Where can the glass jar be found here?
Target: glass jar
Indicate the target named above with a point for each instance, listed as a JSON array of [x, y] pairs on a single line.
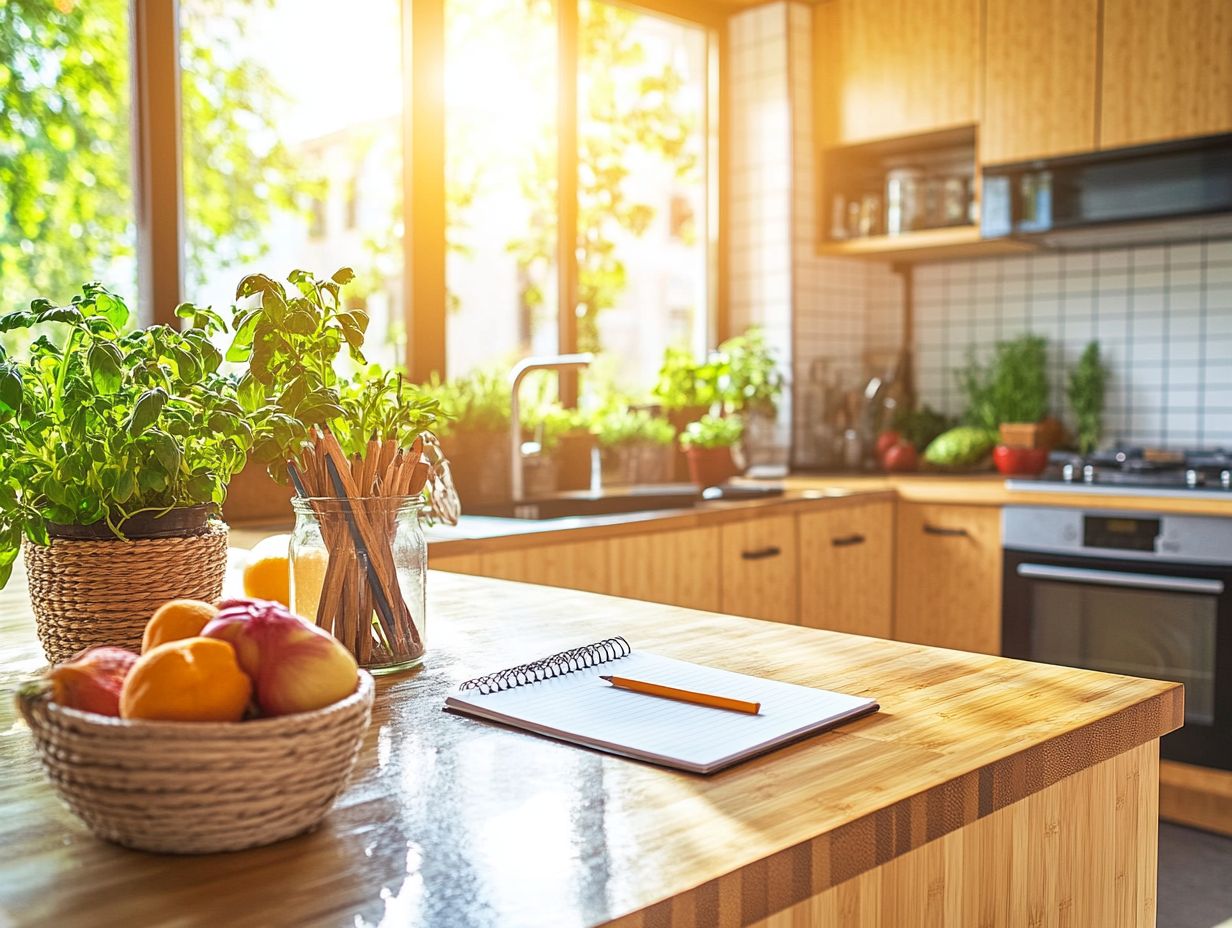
[[357, 570]]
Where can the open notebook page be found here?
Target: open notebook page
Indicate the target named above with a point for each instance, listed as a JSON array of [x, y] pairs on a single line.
[[581, 708]]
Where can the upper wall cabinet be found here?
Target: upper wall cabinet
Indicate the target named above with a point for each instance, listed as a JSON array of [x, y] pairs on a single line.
[[1167, 70], [1040, 78], [888, 68]]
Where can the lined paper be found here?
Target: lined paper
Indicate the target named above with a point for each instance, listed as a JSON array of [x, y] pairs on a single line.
[[580, 708]]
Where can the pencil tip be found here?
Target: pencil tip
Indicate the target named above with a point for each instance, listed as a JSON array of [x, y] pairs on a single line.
[[604, 677]]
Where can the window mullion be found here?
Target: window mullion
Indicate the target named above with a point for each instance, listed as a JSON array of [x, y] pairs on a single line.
[[566, 188]]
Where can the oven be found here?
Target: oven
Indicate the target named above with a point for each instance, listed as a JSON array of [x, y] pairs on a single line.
[[1130, 593]]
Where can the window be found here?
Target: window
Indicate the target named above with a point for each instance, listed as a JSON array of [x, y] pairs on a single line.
[[642, 243], [65, 150], [500, 181], [293, 149]]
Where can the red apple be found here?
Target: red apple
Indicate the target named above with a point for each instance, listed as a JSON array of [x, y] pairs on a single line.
[[900, 458]]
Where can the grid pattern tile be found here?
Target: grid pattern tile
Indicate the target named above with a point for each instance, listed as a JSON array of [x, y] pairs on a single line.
[[1162, 315]]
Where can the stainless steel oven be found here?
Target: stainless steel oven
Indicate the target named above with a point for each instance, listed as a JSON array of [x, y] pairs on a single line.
[[1131, 593]]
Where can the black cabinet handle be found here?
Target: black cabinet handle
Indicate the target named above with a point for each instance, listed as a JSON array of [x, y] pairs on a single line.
[[847, 541], [761, 553], [942, 530]]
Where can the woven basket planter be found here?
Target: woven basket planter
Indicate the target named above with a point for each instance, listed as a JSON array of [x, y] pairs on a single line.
[[103, 591], [199, 787]]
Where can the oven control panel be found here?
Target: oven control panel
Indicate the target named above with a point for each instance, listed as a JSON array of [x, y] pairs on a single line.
[[1132, 535]]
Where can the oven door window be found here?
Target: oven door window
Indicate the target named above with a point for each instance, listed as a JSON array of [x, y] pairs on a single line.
[[1140, 633]]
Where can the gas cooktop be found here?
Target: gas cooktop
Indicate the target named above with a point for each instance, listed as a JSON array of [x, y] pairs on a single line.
[[1152, 469]]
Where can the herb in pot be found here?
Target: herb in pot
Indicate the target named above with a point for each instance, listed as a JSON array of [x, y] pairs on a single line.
[[1012, 388], [686, 383], [1088, 382], [712, 432], [624, 426], [478, 402], [749, 377], [103, 426]]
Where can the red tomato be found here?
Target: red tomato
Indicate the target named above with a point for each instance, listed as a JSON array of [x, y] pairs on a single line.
[[885, 441], [900, 457]]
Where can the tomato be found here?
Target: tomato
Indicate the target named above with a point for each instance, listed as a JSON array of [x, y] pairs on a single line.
[[900, 457], [885, 441]]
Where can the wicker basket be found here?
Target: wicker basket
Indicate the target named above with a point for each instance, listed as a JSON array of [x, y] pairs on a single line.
[[199, 787], [88, 592]]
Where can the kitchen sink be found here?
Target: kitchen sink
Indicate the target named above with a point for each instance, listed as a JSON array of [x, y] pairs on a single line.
[[617, 500]]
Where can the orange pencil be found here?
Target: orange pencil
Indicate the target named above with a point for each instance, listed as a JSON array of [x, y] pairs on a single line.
[[670, 692]]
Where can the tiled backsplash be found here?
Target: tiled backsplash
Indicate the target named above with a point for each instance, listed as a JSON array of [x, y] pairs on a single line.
[[1162, 315]]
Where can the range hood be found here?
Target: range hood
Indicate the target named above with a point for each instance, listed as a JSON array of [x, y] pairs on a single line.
[[1174, 192]]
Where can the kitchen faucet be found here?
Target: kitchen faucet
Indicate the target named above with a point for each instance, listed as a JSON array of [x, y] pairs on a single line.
[[558, 362]]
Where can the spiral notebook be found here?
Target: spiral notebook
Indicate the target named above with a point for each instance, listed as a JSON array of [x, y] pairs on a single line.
[[562, 697]]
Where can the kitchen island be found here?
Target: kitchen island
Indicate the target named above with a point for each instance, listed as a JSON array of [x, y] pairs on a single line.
[[986, 791]]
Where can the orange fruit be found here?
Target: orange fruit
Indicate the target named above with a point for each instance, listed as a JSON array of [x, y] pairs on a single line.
[[190, 680], [180, 618], [267, 572]]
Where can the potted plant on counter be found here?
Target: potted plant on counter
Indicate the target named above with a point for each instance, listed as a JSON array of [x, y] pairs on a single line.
[[708, 444], [476, 434], [117, 450], [686, 389], [750, 384], [636, 446], [1009, 398], [1087, 383]]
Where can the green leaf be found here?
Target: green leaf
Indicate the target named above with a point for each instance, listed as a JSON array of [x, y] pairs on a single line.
[[70, 314], [10, 390], [146, 411], [201, 487], [17, 319], [111, 308], [104, 361], [165, 449], [343, 276], [124, 487], [249, 393]]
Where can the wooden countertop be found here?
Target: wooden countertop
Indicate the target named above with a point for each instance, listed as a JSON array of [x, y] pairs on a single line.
[[450, 821]]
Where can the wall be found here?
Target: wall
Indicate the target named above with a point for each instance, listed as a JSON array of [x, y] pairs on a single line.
[[1162, 315]]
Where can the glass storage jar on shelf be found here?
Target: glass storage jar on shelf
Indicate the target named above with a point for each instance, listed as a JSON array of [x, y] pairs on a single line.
[[357, 569]]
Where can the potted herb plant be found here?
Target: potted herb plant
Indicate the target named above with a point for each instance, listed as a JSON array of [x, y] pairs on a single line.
[[359, 453], [476, 435], [1087, 383], [708, 446], [750, 384], [636, 446], [565, 446], [686, 389], [1009, 398], [117, 450]]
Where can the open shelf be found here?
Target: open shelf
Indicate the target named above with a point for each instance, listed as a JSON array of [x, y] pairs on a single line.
[[924, 245]]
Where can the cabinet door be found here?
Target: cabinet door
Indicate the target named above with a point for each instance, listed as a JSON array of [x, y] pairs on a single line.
[[947, 589], [1167, 70], [759, 569], [680, 568], [847, 569], [1039, 79], [886, 68], [579, 565], [455, 563]]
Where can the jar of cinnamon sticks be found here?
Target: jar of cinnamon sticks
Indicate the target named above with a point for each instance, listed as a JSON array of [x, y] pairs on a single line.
[[358, 567]]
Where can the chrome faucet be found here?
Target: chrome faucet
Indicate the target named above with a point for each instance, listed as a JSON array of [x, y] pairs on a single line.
[[557, 362]]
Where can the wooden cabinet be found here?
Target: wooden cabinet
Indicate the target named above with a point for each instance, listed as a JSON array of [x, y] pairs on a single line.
[[1040, 79], [948, 576], [847, 569], [680, 568], [886, 68], [456, 563], [580, 565], [758, 569], [1167, 70]]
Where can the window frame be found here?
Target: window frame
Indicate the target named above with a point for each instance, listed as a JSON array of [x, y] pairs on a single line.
[[158, 186]]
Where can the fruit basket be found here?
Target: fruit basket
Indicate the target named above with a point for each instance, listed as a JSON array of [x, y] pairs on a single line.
[[199, 787]]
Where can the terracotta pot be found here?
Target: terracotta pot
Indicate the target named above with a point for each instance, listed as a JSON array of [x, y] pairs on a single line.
[[254, 496], [573, 461], [680, 418], [710, 467], [479, 461]]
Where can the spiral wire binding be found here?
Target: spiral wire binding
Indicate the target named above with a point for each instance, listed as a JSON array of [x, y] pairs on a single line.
[[557, 665]]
